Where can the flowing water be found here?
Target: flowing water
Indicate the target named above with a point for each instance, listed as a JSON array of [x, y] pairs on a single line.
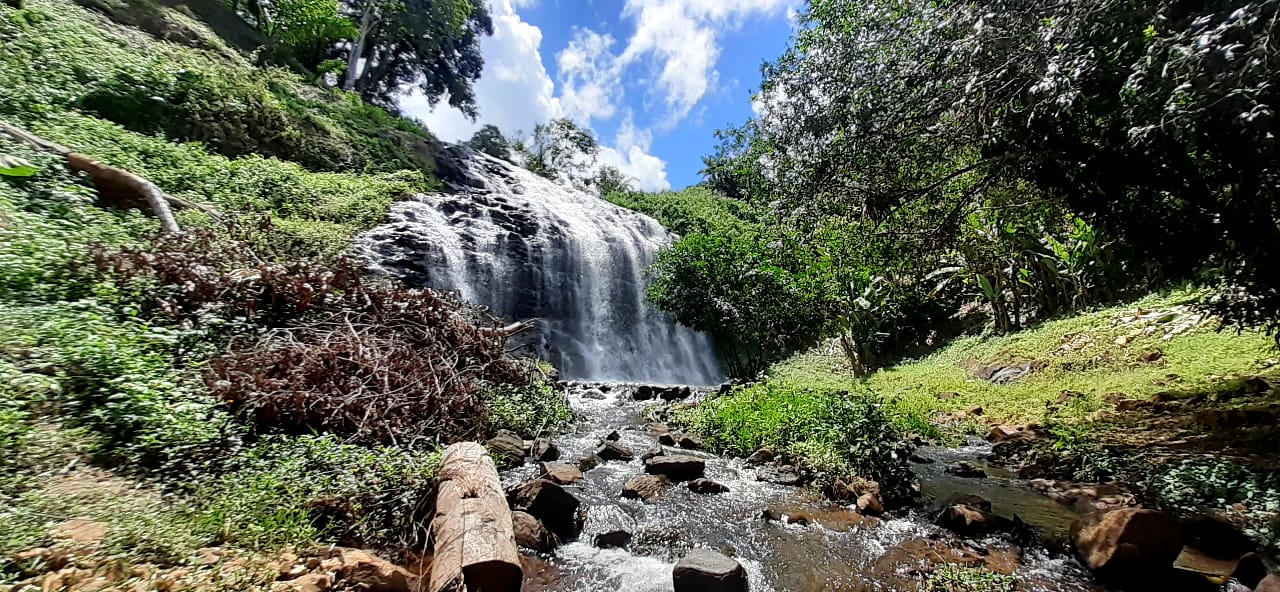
[[839, 551], [528, 249]]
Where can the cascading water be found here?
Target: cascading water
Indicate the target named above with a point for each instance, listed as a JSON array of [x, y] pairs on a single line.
[[529, 248]]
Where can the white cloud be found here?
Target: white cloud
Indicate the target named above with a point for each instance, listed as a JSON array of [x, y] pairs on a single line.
[[630, 154], [680, 38], [514, 92], [672, 53], [590, 77]]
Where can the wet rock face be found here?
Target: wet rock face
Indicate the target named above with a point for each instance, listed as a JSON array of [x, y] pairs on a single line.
[[783, 475], [703, 570], [646, 487], [531, 534], [1123, 544], [677, 467], [549, 503], [528, 248]]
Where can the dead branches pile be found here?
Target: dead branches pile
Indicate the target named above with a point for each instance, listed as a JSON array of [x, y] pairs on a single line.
[[322, 349]]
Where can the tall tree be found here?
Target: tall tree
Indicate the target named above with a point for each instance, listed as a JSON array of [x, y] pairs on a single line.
[[433, 45], [489, 140]]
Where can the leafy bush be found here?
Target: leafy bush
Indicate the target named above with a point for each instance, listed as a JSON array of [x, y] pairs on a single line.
[[837, 435], [116, 378], [693, 210], [538, 409], [295, 490]]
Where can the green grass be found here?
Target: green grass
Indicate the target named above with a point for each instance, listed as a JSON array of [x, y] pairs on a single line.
[[953, 577], [1080, 353]]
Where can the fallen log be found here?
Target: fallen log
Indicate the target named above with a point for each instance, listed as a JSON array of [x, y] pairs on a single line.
[[115, 187], [475, 544]]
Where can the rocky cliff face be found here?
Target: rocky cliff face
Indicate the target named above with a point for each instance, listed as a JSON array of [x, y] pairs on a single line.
[[528, 248]]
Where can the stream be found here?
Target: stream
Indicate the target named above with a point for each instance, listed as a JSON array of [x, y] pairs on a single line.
[[839, 550]]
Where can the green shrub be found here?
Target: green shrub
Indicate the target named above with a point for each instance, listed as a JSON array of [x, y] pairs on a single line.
[[693, 210], [836, 434], [116, 378], [953, 577], [538, 409], [296, 490]]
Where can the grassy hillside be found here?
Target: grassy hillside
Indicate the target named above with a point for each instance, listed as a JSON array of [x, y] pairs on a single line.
[[113, 340]]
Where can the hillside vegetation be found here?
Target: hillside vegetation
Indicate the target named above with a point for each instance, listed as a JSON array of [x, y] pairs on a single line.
[[213, 388]]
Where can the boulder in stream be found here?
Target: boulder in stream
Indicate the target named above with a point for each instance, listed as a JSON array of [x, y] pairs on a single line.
[[549, 503], [531, 534], [781, 475], [646, 487], [760, 457], [677, 467], [1127, 543], [653, 451], [561, 473], [971, 516], [870, 504], [543, 450], [588, 462], [613, 451], [689, 442], [703, 570], [1271, 583], [966, 469], [612, 540], [667, 439], [507, 448], [613, 436], [706, 486]]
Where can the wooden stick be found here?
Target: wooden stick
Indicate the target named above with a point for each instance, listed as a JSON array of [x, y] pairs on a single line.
[[474, 537]]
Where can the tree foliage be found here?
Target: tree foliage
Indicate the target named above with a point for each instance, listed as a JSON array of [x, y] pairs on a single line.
[[431, 45], [489, 140], [1033, 157]]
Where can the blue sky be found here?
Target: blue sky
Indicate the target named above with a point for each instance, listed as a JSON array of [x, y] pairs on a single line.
[[652, 78]]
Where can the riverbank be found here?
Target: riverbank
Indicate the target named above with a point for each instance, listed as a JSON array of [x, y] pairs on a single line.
[[1147, 402]]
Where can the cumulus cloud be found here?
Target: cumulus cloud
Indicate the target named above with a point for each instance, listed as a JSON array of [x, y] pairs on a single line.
[[630, 154], [672, 52], [590, 77], [680, 41]]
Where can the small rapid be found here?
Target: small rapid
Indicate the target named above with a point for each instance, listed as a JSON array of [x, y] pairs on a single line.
[[833, 548]]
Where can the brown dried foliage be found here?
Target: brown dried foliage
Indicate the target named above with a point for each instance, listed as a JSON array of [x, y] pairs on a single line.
[[320, 347]]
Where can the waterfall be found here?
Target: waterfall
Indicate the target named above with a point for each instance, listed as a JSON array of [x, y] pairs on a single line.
[[529, 248]]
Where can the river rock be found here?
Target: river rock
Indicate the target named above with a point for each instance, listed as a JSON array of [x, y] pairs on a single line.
[[968, 520], [759, 457], [653, 451], [549, 503], [781, 475], [543, 450], [1271, 583], [920, 459], [658, 428], [703, 570], [370, 572], [675, 393], [613, 436], [562, 473], [594, 394], [588, 462], [646, 487], [1008, 432], [706, 486], [966, 469], [677, 467], [667, 439], [689, 442], [1250, 570], [507, 448], [612, 540], [870, 504], [531, 534], [1124, 544], [613, 451]]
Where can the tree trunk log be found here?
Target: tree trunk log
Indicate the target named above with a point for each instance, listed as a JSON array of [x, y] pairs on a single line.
[[125, 189], [475, 544]]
